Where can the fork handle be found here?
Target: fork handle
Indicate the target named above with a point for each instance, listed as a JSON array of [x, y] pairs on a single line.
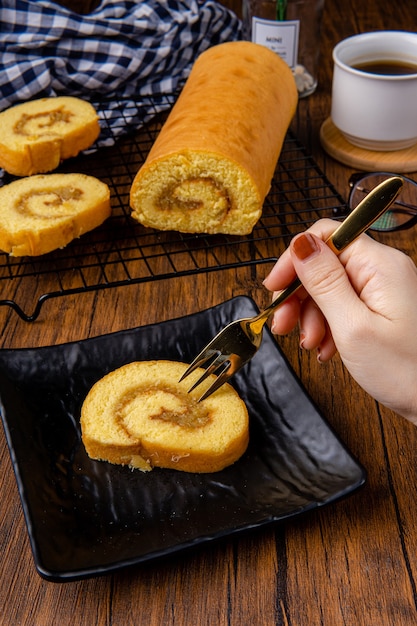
[[357, 222]]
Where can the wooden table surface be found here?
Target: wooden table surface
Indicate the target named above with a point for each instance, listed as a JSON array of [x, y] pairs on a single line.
[[351, 563]]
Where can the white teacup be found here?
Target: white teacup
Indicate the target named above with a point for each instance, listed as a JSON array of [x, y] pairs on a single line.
[[376, 111]]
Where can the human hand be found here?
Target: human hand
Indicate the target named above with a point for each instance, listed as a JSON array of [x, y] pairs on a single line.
[[362, 304]]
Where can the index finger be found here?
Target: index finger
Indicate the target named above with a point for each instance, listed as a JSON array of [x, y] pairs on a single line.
[[283, 273]]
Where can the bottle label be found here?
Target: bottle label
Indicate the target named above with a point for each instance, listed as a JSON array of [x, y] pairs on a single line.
[[280, 37]]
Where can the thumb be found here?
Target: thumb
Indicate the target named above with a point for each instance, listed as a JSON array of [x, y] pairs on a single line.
[[325, 279]]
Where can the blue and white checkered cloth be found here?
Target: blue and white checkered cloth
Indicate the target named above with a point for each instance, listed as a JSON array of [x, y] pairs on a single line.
[[123, 50]]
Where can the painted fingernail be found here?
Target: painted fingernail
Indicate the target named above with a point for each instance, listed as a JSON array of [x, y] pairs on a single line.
[[305, 246]]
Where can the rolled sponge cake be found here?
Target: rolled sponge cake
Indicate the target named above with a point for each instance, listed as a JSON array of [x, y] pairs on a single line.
[[41, 213], [37, 135], [140, 415], [212, 163]]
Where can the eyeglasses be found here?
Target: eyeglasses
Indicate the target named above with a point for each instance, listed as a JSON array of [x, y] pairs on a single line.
[[401, 214]]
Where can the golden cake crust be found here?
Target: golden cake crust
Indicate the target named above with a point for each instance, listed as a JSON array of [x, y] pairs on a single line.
[[37, 135], [140, 415], [212, 163]]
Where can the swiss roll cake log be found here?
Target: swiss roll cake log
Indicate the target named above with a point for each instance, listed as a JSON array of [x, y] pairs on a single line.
[[37, 135], [212, 163]]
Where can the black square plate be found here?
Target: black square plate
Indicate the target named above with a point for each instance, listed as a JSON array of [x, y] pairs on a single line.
[[87, 517]]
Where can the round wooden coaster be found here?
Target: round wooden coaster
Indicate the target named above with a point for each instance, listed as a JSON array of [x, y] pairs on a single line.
[[398, 161]]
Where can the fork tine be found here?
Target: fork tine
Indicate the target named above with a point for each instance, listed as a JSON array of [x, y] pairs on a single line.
[[206, 353], [204, 356], [217, 363], [199, 360], [220, 380]]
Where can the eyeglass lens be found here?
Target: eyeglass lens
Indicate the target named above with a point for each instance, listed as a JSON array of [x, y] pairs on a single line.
[[401, 212]]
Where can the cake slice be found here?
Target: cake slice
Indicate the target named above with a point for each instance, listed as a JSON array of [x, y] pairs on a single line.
[[140, 415], [44, 212], [37, 135]]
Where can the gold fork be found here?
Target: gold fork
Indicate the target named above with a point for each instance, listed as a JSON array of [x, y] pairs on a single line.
[[237, 343]]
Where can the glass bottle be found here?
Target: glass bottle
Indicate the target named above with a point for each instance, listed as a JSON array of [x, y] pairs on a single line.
[[291, 28]]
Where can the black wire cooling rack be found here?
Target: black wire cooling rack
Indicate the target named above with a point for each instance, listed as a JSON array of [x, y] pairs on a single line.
[[122, 252]]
